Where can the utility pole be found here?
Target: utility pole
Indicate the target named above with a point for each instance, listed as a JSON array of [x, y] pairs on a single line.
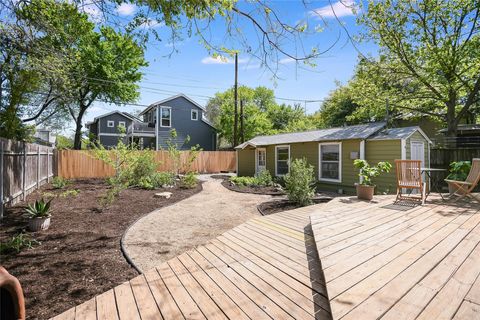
[[235, 125], [387, 112], [242, 123]]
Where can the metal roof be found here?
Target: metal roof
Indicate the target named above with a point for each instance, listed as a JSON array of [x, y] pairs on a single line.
[[398, 133], [362, 131]]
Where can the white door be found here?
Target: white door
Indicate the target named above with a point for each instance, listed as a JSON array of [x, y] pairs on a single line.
[[261, 159], [417, 151]]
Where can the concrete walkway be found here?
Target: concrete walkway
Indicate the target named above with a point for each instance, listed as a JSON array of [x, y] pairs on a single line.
[[170, 231]]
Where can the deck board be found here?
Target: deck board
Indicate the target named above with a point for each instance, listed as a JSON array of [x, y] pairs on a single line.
[[343, 260]]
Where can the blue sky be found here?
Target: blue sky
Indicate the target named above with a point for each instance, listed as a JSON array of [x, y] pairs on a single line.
[[193, 72]]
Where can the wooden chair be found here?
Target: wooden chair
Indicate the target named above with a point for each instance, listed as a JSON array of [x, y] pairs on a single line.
[[464, 188], [409, 176]]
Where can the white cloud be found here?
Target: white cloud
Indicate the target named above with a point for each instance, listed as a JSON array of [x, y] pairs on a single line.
[[92, 11], [151, 23], [221, 60], [126, 9], [342, 8], [286, 60]]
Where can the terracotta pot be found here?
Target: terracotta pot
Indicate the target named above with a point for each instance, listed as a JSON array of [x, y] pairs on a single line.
[[452, 189], [365, 192], [12, 299], [37, 224]]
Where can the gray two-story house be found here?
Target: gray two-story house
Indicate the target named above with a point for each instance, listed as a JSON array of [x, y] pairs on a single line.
[[153, 129], [108, 128]]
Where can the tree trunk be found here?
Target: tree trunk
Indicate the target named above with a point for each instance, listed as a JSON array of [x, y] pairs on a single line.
[[451, 118], [77, 142]]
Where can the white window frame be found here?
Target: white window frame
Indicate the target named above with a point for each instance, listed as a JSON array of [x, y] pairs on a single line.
[[276, 158], [339, 144], [194, 111], [161, 118], [256, 159], [110, 123], [122, 124]]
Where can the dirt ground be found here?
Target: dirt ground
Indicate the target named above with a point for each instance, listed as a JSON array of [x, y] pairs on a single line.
[[79, 256], [279, 205], [167, 232]]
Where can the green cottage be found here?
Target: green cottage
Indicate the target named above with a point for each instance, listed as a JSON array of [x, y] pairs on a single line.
[[332, 152]]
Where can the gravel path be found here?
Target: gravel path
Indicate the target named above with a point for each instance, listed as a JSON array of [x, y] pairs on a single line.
[[169, 231]]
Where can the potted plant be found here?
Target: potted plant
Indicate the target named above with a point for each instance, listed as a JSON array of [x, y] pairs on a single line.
[[458, 171], [366, 188], [39, 214]]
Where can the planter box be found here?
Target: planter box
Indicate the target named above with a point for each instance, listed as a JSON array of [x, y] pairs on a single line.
[[365, 192], [37, 224]]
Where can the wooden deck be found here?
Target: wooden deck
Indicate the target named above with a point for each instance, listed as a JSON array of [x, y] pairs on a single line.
[[374, 260], [380, 261]]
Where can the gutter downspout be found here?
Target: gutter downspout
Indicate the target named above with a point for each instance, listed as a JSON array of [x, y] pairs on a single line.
[[362, 155]]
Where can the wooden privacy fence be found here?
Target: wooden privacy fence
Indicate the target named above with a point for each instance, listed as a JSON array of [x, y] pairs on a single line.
[[441, 158], [80, 164], [24, 167]]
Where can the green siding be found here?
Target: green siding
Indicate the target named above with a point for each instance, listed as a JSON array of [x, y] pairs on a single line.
[[417, 136], [375, 151], [384, 150], [246, 162]]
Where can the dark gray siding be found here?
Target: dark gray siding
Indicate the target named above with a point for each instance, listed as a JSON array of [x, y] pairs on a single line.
[[93, 129], [110, 141], [200, 132], [116, 118]]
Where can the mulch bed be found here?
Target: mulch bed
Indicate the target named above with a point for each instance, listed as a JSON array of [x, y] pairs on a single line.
[[272, 191], [274, 206], [79, 256]]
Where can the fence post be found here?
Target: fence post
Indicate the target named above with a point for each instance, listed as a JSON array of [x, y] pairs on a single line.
[[1, 179], [24, 173], [38, 166], [48, 165]]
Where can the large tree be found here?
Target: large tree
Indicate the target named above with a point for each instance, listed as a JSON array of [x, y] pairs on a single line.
[[429, 60], [100, 64], [262, 114]]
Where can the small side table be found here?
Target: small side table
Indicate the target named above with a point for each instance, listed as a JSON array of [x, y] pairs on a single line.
[[434, 183]]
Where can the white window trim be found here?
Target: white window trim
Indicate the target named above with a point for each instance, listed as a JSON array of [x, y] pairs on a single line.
[[160, 117], [339, 180], [110, 123], [276, 158], [191, 114], [256, 159], [122, 123]]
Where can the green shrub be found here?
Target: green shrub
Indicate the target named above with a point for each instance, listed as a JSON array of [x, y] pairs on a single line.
[[17, 243], [59, 182], [459, 170], [368, 172], [299, 182], [264, 178], [142, 166], [40, 209], [157, 180], [243, 181], [189, 180], [73, 193]]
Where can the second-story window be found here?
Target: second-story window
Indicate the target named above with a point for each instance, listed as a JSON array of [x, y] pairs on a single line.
[[194, 114], [165, 117], [121, 124], [110, 123]]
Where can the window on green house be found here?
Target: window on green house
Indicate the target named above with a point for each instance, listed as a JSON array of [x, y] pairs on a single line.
[[330, 162], [282, 156]]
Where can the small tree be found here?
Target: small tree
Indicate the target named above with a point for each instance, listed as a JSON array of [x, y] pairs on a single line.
[[175, 154], [299, 182], [368, 172]]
